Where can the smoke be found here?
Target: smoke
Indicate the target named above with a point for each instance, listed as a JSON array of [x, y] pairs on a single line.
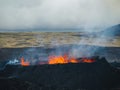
[[29, 14]]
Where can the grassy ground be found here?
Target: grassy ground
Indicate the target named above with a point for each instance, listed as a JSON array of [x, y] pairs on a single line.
[[47, 39]]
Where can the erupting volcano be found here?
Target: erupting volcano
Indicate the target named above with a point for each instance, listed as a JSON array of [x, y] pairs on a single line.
[[63, 74], [60, 59], [59, 71]]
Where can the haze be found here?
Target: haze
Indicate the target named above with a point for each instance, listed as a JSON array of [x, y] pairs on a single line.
[[30, 14]]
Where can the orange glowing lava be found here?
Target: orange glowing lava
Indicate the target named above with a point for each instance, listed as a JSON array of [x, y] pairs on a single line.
[[24, 63], [88, 60], [61, 60]]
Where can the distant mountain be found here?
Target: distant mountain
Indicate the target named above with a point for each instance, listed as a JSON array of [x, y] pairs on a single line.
[[111, 31]]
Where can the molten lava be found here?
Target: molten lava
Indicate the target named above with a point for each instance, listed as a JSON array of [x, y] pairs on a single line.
[[61, 60], [86, 60], [66, 59], [24, 63]]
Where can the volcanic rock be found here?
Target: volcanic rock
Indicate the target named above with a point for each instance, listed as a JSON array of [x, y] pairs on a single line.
[[89, 76]]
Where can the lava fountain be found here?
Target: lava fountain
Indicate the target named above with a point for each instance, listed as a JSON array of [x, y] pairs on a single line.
[[60, 59]]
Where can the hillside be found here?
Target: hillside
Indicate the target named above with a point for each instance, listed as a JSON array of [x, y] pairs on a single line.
[[113, 31]]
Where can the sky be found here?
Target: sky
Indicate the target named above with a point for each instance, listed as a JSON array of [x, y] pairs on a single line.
[[30, 14]]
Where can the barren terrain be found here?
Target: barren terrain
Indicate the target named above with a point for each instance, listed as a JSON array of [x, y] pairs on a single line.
[[50, 39]]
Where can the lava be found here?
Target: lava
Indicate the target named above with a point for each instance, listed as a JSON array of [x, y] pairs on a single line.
[[23, 62], [86, 60], [61, 60]]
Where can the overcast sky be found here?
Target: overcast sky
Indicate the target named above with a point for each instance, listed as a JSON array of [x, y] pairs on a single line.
[[22, 14]]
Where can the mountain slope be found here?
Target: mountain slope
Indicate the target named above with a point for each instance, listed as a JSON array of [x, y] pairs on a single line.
[[111, 31]]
